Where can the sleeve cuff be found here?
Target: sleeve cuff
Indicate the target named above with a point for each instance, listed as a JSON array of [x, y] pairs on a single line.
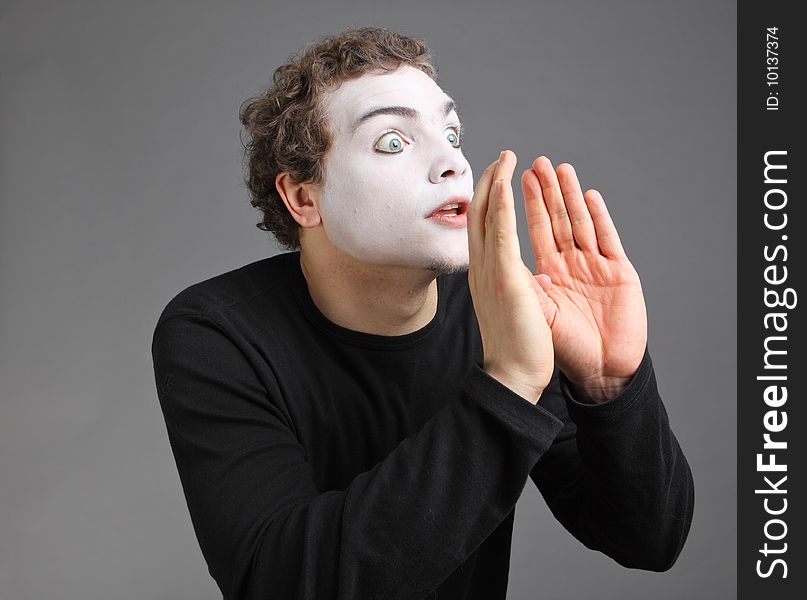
[[633, 392], [529, 422]]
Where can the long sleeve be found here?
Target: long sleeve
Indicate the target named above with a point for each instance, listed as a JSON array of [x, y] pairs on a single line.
[[396, 531], [616, 477]]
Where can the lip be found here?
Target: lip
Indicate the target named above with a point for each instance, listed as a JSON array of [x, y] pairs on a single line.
[[458, 221], [452, 220], [463, 202]]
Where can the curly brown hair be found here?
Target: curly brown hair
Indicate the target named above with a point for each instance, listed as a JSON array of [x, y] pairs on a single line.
[[286, 127]]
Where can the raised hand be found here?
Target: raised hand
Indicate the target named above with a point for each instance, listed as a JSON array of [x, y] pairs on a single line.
[[516, 339], [593, 301]]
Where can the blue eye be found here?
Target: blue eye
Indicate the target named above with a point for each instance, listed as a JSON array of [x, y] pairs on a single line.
[[391, 142], [454, 137]]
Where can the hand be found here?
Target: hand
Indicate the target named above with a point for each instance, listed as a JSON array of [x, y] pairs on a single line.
[[596, 308], [516, 339]]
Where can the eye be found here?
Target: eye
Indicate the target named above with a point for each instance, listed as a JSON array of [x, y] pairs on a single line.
[[454, 136], [390, 142]]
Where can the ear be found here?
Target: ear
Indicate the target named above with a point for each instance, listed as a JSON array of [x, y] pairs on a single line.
[[301, 199]]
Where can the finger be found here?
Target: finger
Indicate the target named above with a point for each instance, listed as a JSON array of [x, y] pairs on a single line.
[[579, 217], [607, 236], [553, 198], [501, 233], [545, 281], [542, 283], [539, 225], [476, 216]]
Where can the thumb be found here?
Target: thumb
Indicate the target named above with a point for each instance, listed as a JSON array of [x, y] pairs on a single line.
[[542, 283]]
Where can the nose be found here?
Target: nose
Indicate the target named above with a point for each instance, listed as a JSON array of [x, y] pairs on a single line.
[[448, 164]]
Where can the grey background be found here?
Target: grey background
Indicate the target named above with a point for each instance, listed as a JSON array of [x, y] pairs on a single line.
[[120, 182]]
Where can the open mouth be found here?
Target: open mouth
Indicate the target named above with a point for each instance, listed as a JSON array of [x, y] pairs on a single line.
[[451, 214], [452, 208]]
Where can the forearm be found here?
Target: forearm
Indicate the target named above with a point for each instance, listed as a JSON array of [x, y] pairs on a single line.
[[622, 484], [401, 528]]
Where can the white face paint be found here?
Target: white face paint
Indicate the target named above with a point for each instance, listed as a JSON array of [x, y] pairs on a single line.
[[385, 175]]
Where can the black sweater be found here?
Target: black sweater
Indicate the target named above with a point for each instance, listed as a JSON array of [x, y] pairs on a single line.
[[319, 462]]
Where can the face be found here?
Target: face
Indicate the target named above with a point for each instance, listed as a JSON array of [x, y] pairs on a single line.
[[395, 159]]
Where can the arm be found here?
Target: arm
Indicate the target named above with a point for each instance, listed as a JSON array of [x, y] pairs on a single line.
[[616, 477], [397, 531]]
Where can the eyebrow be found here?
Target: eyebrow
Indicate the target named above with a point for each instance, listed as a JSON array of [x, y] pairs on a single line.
[[401, 111]]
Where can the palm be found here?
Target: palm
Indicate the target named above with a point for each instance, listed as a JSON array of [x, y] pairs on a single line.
[[596, 307]]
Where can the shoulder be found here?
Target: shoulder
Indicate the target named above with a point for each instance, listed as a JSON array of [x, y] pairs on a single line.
[[229, 289]]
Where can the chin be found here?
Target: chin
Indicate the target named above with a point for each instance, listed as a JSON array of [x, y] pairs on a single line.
[[447, 263], [441, 267], [436, 256]]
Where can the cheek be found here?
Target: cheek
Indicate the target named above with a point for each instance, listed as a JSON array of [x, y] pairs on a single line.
[[370, 192], [353, 192]]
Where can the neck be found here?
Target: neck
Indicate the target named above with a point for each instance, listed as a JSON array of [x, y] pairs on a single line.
[[376, 299]]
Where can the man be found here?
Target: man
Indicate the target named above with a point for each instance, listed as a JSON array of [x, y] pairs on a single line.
[[357, 419]]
